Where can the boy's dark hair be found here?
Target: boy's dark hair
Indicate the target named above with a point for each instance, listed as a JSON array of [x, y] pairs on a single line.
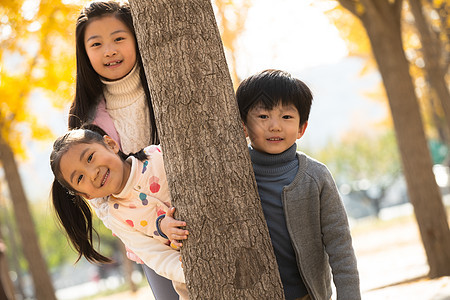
[[89, 88], [271, 87], [72, 210]]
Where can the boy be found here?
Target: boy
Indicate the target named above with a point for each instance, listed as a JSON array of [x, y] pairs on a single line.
[[306, 218]]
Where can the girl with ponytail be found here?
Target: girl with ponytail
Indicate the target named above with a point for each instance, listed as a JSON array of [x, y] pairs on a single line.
[[128, 193]]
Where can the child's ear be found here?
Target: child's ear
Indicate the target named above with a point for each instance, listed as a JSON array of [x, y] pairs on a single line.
[[111, 143], [82, 196], [245, 129], [301, 130], [87, 197]]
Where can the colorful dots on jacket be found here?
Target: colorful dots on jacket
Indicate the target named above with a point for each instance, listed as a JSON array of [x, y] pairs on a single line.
[[154, 185], [143, 198], [144, 168]]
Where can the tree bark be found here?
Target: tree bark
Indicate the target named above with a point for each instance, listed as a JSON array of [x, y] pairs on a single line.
[[434, 61], [381, 19], [42, 283], [228, 254]]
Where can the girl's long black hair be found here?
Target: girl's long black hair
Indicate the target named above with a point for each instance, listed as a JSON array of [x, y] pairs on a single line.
[[73, 211], [75, 216], [89, 88]]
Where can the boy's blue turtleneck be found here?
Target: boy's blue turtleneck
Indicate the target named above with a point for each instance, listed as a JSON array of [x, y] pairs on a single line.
[[273, 172], [275, 164]]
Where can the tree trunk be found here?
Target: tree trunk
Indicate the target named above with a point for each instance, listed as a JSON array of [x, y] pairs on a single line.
[[10, 236], [442, 8], [228, 254], [381, 19], [42, 284], [7, 291], [127, 267], [434, 61]]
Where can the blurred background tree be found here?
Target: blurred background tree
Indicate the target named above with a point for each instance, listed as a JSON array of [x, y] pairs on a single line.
[[429, 56], [352, 161], [231, 16], [382, 21], [30, 63]]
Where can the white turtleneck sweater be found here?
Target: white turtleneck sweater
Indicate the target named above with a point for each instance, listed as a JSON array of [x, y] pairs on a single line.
[[128, 108]]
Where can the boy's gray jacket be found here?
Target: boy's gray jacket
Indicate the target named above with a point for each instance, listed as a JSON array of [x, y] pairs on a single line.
[[319, 230]]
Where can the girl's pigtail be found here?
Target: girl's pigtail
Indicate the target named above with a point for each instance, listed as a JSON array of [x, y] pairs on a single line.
[[139, 155], [75, 216]]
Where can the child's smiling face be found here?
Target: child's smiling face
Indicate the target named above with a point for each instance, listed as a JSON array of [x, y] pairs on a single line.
[[110, 46], [274, 130], [95, 170]]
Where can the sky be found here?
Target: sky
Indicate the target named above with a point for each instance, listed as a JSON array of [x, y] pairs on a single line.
[[293, 36]]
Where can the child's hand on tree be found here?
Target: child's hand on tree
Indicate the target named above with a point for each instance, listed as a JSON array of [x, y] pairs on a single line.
[[170, 227]]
